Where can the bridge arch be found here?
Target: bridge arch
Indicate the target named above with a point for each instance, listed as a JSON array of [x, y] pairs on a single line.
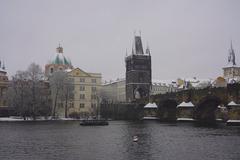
[[167, 110], [206, 109]]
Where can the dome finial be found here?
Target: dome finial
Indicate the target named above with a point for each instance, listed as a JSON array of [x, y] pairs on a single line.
[[59, 49]]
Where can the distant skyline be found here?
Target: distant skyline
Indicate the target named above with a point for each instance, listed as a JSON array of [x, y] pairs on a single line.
[[187, 38]]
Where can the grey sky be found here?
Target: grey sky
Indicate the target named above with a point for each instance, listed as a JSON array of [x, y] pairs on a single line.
[[186, 37]]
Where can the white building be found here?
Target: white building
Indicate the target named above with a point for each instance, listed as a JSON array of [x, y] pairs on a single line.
[[163, 86], [231, 72], [114, 91]]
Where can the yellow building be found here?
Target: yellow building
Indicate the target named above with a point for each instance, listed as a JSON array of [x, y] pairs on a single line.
[[86, 92]]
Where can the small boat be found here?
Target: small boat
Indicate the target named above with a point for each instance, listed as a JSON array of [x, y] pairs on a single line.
[[135, 138], [94, 122]]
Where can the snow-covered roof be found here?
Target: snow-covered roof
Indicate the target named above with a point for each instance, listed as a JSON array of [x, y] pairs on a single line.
[[232, 104], [68, 70], [151, 105], [163, 82], [230, 66], [220, 107], [113, 81], [184, 104]]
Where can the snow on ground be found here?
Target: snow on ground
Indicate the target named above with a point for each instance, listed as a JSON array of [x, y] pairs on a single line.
[[13, 119]]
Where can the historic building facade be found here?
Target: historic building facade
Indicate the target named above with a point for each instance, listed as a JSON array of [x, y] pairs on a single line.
[[114, 91], [138, 72], [58, 63], [231, 72], [83, 87], [86, 88], [4, 82]]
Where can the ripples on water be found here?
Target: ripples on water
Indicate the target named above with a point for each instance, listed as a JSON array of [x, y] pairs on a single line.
[[157, 141]]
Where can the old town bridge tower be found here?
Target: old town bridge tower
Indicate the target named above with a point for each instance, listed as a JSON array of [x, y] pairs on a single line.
[[138, 72]]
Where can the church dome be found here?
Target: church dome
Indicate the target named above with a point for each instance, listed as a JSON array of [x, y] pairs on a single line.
[[60, 59]]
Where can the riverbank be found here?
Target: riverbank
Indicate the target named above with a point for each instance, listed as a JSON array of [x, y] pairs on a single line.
[[19, 119]]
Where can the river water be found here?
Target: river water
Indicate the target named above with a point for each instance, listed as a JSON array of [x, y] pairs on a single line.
[[157, 141]]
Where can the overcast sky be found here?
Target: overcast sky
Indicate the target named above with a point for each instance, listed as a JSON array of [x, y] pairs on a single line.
[[187, 38]]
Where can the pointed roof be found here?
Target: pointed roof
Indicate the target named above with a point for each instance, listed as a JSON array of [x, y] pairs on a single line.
[[78, 72], [151, 105], [231, 56], [232, 103], [137, 46], [184, 104], [148, 50]]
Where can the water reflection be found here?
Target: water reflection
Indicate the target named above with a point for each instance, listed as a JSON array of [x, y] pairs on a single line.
[[68, 140]]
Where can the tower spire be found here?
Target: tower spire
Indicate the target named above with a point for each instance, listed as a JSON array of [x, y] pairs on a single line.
[[231, 57], [148, 50]]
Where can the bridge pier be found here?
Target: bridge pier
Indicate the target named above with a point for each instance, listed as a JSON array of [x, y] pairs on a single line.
[[233, 114], [185, 111]]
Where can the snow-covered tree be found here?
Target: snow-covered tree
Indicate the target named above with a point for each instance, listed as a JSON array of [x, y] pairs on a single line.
[[28, 93], [62, 91]]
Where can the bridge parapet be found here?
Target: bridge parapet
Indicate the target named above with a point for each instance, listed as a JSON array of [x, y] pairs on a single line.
[[206, 101]]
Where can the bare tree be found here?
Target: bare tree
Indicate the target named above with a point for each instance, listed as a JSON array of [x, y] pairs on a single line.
[[18, 94], [28, 93], [61, 89]]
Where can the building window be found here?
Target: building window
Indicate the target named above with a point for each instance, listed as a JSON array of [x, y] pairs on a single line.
[[82, 88], [94, 89], [82, 79], [93, 96], [81, 105], [93, 105], [82, 96], [71, 80], [94, 81]]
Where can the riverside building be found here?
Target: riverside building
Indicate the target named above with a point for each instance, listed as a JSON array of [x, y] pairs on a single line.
[[83, 87], [86, 88]]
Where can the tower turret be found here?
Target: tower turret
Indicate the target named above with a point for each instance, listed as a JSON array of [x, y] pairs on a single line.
[[231, 72]]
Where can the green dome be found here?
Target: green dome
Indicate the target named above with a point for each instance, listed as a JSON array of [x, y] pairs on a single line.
[[59, 58]]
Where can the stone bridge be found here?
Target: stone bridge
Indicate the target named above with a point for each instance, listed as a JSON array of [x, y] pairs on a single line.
[[206, 102]]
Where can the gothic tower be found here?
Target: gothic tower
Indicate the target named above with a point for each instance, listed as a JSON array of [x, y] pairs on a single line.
[[231, 72], [138, 72]]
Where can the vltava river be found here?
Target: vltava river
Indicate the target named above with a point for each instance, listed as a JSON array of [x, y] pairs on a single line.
[[157, 141]]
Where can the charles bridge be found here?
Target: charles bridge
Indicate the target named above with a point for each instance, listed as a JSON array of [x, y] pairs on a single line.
[[206, 102]]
